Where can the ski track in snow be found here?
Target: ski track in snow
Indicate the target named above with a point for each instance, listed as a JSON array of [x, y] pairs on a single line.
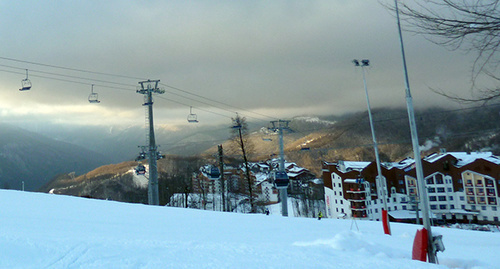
[[53, 231]]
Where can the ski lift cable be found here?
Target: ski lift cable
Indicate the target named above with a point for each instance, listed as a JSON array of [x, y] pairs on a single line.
[[215, 101], [122, 84], [70, 76], [71, 69]]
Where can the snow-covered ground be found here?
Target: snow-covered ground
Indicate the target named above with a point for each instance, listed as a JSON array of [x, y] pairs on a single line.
[[51, 231]]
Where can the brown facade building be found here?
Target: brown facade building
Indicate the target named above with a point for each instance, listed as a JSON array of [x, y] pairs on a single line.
[[461, 187]]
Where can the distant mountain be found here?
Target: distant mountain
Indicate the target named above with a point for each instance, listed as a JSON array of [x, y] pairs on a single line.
[[34, 159], [312, 140]]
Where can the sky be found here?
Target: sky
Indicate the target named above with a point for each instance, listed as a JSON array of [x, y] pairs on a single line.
[[37, 232], [265, 60]]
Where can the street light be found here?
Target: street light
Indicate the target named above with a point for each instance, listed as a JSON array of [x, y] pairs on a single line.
[[381, 185]]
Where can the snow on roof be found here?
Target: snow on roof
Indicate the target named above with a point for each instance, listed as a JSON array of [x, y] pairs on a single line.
[[261, 177], [464, 158], [463, 212], [406, 214], [356, 165], [401, 164], [296, 169], [350, 180]]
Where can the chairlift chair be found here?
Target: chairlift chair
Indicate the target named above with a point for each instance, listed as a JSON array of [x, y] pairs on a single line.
[[25, 83], [93, 97], [192, 118]]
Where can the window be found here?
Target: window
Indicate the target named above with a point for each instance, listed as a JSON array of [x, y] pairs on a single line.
[[462, 198], [430, 180], [463, 206], [485, 218], [404, 207], [374, 202], [340, 193], [442, 207], [395, 208], [335, 193], [334, 185], [376, 210], [337, 209], [341, 202], [439, 179], [431, 190], [450, 190], [483, 207], [432, 198], [335, 200], [479, 182], [494, 208], [342, 210], [442, 198], [473, 207], [400, 182], [440, 189], [450, 198], [434, 207], [495, 218], [394, 199], [403, 199], [452, 207]]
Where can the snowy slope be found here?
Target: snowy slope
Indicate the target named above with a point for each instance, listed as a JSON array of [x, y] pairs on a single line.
[[50, 231]]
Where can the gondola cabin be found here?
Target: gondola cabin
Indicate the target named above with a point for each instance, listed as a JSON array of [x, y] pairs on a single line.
[[140, 169], [214, 173], [281, 180]]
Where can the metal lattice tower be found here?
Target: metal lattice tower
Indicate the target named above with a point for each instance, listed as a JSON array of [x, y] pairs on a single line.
[[148, 88]]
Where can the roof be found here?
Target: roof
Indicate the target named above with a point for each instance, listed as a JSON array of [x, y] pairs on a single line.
[[464, 158], [406, 214], [356, 165]]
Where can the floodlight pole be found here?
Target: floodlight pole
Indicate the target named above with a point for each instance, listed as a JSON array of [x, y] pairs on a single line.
[[422, 191], [380, 180], [148, 88]]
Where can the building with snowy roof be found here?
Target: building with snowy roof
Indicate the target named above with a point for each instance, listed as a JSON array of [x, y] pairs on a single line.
[[461, 186]]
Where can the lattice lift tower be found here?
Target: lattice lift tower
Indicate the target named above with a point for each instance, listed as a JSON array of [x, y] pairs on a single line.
[[148, 88]]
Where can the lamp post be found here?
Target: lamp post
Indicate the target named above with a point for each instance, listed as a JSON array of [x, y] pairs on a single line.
[[422, 191], [380, 180]]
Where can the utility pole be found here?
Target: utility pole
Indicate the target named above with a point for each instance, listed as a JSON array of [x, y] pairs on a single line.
[[148, 88], [380, 180], [221, 168], [422, 190], [281, 181]]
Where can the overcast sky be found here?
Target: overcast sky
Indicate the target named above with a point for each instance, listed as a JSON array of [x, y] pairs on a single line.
[[263, 59]]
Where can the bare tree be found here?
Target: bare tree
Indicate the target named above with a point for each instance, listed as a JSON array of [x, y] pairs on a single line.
[[240, 133], [473, 26]]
